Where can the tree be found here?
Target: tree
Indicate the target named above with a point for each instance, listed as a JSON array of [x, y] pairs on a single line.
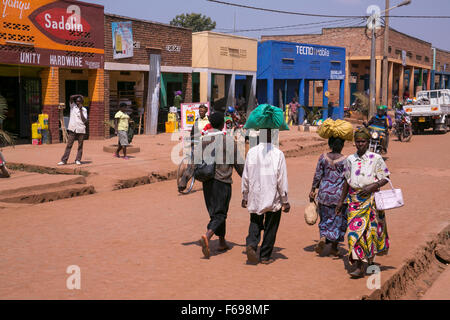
[[195, 21]]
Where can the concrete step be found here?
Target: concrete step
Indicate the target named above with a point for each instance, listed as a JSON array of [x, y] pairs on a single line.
[[23, 182], [45, 194]]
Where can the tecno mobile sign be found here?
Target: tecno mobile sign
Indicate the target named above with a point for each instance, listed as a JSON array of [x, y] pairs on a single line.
[[62, 33]]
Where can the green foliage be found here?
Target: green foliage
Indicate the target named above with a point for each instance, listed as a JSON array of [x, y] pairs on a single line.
[[312, 114], [195, 21], [362, 102]]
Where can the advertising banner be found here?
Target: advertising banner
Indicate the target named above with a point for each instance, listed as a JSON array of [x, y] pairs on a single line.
[[52, 33], [404, 58], [189, 112], [122, 33]]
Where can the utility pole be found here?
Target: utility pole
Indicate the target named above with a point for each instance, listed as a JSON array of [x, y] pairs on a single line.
[[372, 93], [372, 23], [385, 84]]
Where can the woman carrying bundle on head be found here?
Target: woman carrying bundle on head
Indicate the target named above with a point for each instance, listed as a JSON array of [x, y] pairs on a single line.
[[329, 179]]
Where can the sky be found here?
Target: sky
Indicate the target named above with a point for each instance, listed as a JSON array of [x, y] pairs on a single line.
[[230, 18]]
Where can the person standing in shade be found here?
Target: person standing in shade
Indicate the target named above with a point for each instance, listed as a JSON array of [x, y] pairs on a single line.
[[76, 129], [217, 191], [121, 123], [265, 194], [293, 111]]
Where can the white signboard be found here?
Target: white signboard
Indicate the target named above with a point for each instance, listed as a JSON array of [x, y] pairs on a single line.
[[337, 75], [189, 112]]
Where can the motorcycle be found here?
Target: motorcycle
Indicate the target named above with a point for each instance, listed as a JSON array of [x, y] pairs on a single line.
[[403, 129], [376, 137], [375, 141]]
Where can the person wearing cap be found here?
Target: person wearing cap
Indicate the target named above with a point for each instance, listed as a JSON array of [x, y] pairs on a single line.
[[381, 122], [121, 124], [365, 173], [265, 184], [217, 191]]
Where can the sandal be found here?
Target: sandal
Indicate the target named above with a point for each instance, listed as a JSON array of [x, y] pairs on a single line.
[[205, 247], [319, 247]]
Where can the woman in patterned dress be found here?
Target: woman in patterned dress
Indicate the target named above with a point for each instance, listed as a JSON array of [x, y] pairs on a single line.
[[365, 173], [329, 178]]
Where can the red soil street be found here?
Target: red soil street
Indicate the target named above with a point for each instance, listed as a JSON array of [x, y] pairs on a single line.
[[142, 243]]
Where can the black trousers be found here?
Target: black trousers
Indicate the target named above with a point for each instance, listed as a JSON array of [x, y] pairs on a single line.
[[217, 198], [268, 222]]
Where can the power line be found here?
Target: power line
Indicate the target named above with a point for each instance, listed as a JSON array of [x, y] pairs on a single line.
[[284, 12], [292, 25], [317, 15]]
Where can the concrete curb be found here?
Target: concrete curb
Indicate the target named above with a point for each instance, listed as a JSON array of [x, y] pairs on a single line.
[[46, 170], [422, 263]]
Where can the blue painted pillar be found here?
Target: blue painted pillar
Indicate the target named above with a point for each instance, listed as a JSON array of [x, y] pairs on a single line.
[[325, 100], [341, 99], [307, 93], [270, 91], [441, 80], [301, 101]]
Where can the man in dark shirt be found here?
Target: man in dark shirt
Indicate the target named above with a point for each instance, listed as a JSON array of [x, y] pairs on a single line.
[[217, 191]]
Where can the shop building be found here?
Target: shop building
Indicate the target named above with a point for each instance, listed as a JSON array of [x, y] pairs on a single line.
[[50, 50], [409, 60], [130, 45], [314, 74], [224, 66], [440, 78]]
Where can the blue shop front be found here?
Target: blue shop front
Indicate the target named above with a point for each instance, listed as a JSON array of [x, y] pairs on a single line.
[[304, 71]]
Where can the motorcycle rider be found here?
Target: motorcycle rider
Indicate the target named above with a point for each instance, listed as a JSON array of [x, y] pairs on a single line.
[[399, 113], [381, 122]]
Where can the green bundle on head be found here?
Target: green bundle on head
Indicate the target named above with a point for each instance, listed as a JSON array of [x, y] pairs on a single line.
[[266, 116]]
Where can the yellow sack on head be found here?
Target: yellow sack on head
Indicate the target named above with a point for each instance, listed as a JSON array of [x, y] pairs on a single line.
[[338, 129]]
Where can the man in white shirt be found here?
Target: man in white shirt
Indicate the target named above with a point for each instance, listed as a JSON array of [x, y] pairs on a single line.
[[76, 129], [265, 194]]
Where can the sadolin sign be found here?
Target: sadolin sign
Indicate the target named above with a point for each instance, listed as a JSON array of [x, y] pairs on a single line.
[[66, 34]]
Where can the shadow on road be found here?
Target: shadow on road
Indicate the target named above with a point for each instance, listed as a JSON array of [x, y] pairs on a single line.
[[214, 245]]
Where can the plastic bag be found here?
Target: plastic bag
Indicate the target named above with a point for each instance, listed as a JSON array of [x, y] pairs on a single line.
[[311, 214], [266, 116], [338, 129]]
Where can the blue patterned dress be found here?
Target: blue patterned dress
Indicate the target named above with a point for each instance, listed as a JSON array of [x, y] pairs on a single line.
[[329, 178]]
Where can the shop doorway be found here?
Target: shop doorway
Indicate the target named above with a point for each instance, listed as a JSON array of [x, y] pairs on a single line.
[[23, 96]]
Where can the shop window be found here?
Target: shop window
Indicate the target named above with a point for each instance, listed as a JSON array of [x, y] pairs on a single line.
[[398, 52], [418, 58], [427, 59], [409, 54], [390, 49]]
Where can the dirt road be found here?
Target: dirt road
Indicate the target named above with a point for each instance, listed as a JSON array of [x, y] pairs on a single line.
[[142, 243]]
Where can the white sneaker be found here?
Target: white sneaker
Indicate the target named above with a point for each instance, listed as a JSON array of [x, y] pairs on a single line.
[[78, 162], [61, 163]]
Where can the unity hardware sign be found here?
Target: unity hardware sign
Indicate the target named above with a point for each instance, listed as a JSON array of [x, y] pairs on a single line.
[[66, 34]]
